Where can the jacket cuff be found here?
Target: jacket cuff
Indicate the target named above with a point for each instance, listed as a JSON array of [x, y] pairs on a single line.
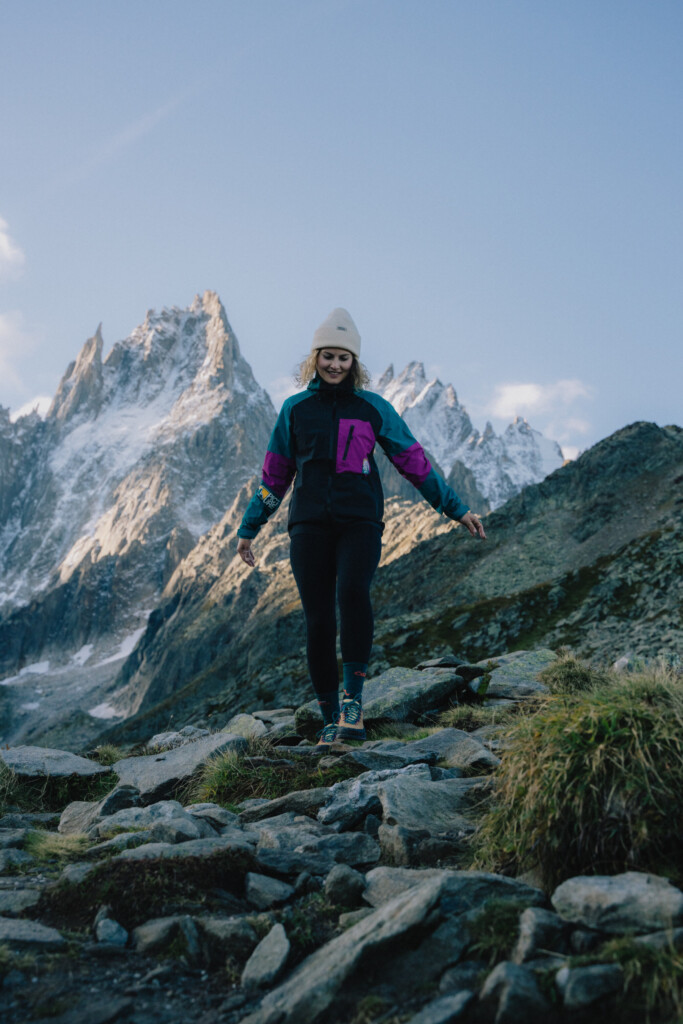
[[246, 532]]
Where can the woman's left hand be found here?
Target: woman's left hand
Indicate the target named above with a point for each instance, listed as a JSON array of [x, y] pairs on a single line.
[[473, 524]]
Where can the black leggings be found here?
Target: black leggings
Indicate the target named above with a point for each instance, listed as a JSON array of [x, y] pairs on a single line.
[[342, 558]]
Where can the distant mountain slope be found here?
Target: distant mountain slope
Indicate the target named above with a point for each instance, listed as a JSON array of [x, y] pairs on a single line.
[[591, 557], [487, 467]]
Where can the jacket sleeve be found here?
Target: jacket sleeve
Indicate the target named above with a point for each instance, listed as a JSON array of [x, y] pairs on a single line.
[[278, 472], [408, 456]]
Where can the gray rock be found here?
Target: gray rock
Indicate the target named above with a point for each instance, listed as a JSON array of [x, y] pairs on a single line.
[[181, 829], [132, 818], [444, 1010], [170, 740], [384, 884], [344, 886], [515, 994], [437, 807], [14, 901], [13, 859], [387, 755], [295, 849], [354, 916], [247, 726], [672, 938], [122, 841], [74, 874], [265, 892], [234, 843], [540, 930], [582, 986], [305, 801], [108, 930], [465, 975], [222, 937], [350, 801], [28, 935], [267, 961], [309, 992], [631, 902], [516, 674], [80, 816], [13, 838], [274, 715], [158, 775], [37, 762], [216, 815], [157, 935], [457, 748], [427, 960]]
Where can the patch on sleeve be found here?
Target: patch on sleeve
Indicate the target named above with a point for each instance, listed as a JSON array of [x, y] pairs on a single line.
[[267, 497]]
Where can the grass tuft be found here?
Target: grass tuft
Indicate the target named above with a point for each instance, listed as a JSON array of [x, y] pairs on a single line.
[[231, 777], [570, 675], [494, 930], [49, 792], [591, 782], [53, 847], [470, 717], [108, 754]]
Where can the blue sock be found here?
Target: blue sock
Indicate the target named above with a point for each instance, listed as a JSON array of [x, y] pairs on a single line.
[[354, 677], [329, 706]]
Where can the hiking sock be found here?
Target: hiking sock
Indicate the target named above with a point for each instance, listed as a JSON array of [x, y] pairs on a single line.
[[329, 706], [354, 677]]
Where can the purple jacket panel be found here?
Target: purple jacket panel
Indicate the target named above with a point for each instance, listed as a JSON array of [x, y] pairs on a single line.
[[355, 442], [413, 464], [278, 473]]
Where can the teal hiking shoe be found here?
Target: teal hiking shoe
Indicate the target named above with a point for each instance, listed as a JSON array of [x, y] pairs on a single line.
[[327, 736], [350, 725]]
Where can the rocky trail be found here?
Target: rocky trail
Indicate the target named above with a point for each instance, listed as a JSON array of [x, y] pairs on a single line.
[[347, 898]]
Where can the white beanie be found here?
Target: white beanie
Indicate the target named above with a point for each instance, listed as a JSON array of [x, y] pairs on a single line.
[[338, 331]]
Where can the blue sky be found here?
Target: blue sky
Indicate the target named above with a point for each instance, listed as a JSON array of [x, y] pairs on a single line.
[[492, 187]]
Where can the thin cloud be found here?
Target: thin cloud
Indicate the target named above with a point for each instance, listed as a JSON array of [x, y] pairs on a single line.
[[15, 342], [281, 388], [39, 404], [536, 399], [12, 258]]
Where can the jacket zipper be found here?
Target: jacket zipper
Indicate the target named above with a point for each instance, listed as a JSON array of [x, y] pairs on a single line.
[[348, 442], [333, 447]]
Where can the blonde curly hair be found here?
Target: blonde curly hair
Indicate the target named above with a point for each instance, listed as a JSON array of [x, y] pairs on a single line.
[[306, 371]]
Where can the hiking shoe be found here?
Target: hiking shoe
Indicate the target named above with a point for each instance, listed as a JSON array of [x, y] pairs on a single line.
[[327, 736], [350, 725]]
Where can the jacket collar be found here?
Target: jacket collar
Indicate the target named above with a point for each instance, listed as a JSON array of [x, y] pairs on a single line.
[[322, 387]]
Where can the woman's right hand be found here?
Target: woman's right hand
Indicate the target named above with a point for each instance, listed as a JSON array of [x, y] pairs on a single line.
[[245, 552]]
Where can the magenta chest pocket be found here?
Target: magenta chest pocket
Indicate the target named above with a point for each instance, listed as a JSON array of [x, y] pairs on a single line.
[[354, 446]]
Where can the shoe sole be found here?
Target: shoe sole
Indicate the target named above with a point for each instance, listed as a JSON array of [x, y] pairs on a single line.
[[350, 734]]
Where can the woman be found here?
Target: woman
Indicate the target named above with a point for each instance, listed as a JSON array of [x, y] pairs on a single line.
[[323, 441]]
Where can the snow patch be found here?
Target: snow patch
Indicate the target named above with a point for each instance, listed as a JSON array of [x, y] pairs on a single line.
[[126, 647], [104, 710], [81, 657]]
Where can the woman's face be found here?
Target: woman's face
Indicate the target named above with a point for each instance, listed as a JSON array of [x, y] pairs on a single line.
[[334, 364]]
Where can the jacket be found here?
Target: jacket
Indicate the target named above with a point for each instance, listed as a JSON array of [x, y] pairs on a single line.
[[324, 440]]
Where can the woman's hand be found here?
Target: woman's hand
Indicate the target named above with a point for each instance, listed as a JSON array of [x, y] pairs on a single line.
[[473, 524], [245, 552]]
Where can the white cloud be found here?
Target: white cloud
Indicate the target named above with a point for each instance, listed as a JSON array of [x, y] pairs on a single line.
[[281, 388], [41, 404], [12, 258], [536, 399]]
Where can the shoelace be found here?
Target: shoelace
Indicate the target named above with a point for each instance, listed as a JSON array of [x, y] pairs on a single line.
[[328, 733], [351, 711]]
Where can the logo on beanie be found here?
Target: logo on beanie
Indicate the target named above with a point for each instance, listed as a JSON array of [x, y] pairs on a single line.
[[340, 328]]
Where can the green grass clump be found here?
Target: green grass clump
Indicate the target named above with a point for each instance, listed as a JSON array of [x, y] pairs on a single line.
[[653, 979], [470, 717], [49, 792], [570, 675], [55, 848], [592, 783], [108, 754], [309, 923], [494, 930], [229, 778]]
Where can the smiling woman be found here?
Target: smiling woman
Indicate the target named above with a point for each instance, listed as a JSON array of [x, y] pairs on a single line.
[[323, 442]]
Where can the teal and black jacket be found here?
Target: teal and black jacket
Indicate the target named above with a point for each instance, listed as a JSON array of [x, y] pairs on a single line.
[[324, 440]]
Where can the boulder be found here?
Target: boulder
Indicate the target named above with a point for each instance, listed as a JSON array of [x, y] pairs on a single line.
[[311, 989], [234, 843], [516, 674], [12, 859], [580, 987], [247, 726], [306, 846], [462, 891], [457, 748], [158, 775], [170, 740], [131, 818], [632, 902], [181, 829], [13, 838], [444, 1010], [158, 935], [350, 801], [19, 934], [14, 901], [38, 762], [437, 807], [216, 815], [512, 993], [80, 816], [304, 801], [223, 937], [344, 886], [540, 931], [267, 961], [384, 884], [264, 892], [108, 930]]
